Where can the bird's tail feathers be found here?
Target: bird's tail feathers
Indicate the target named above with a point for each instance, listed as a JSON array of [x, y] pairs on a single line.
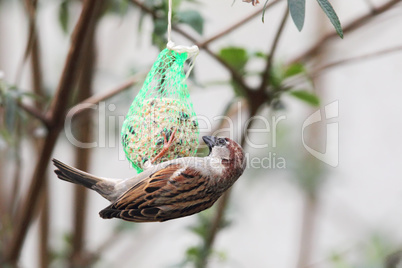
[[70, 174]]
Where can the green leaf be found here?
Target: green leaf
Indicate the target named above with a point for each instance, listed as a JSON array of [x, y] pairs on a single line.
[[263, 10], [193, 252], [199, 230], [294, 69], [259, 54], [277, 76], [297, 9], [64, 15], [193, 19], [306, 96], [236, 57], [330, 12]]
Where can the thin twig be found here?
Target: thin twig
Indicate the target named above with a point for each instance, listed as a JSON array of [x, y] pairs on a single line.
[[355, 24], [95, 99], [355, 59], [31, 45], [214, 229], [224, 200], [57, 111], [236, 25], [268, 69], [28, 48], [70, 73], [33, 111], [230, 111], [235, 75], [145, 9], [37, 85], [34, 52], [292, 82]]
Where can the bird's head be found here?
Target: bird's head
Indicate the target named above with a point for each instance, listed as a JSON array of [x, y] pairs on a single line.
[[228, 151]]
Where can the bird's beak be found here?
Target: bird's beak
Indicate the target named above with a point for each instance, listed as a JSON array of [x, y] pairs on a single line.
[[210, 141]]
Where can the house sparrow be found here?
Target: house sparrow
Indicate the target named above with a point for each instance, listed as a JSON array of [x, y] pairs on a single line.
[[254, 2], [169, 190]]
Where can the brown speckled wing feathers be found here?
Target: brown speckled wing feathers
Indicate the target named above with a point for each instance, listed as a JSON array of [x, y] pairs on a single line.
[[166, 194]]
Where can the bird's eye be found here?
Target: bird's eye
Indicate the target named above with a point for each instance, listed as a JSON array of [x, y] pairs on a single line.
[[221, 142]]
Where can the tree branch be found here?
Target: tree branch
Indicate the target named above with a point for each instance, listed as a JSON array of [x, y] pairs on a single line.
[[355, 24], [265, 77], [57, 111], [236, 25], [82, 155], [355, 59], [95, 99], [72, 64], [33, 111], [214, 229], [223, 201], [33, 49]]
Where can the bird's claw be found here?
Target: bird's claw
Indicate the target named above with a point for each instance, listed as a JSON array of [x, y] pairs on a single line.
[[166, 144]]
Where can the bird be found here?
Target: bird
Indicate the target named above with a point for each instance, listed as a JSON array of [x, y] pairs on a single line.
[[169, 190]]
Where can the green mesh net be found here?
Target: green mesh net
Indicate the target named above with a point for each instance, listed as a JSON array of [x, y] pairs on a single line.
[[162, 106]]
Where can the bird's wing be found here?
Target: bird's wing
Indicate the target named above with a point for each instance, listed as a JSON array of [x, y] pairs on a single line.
[[172, 192]]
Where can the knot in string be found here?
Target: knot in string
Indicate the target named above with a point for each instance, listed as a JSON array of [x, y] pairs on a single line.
[[192, 51]]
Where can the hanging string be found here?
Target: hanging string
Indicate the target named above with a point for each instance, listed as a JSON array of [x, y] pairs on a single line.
[[191, 51], [169, 29]]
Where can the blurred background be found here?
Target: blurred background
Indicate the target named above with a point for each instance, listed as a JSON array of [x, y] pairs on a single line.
[[291, 207]]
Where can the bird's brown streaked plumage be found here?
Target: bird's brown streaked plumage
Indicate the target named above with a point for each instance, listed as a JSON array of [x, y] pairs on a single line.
[[167, 194], [169, 190]]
